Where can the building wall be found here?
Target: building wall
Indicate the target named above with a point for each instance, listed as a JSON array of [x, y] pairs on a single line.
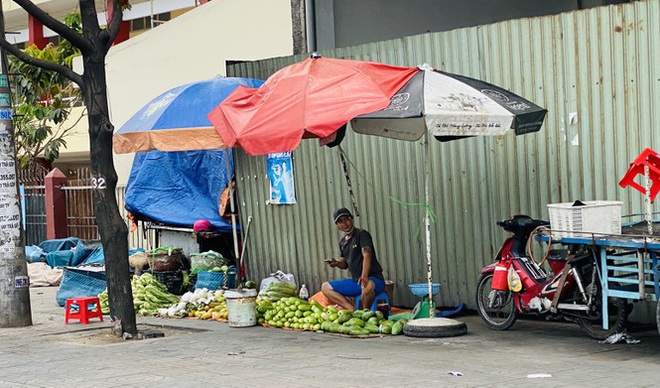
[[597, 72], [343, 23], [192, 47]]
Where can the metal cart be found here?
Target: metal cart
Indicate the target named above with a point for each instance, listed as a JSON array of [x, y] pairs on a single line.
[[628, 262]]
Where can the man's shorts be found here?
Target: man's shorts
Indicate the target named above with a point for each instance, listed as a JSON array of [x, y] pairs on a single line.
[[350, 287]]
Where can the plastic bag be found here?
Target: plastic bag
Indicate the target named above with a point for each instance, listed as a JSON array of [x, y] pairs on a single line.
[[278, 276], [206, 261], [515, 284]]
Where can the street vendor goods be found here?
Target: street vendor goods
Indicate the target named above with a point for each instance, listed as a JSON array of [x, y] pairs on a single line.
[[165, 259], [148, 295], [514, 284], [207, 261], [296, 314]]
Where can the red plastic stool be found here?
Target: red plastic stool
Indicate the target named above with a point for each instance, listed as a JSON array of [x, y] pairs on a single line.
[[648, 158], [87, 307]]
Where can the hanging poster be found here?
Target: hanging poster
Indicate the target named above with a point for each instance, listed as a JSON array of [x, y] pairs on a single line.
[[280, 174]]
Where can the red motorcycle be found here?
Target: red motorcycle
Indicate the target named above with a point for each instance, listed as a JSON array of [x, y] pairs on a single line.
[[516, 285]]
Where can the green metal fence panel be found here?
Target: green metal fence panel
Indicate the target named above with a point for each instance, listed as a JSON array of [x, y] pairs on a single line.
[[597, 71]]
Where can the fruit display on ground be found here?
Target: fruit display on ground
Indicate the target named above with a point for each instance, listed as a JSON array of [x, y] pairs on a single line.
[[201, 304], [149, 295], [276, 307], [297, 314]]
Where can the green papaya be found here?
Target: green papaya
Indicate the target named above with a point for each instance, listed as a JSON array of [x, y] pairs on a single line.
[[397, 328], [374, 321], [358, 331], [372, 329], [343, 318], [367, 315], [354, 322], [335, 328]]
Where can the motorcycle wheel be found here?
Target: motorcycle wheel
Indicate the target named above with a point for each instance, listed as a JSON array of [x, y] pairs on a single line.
[[503, 314], [592, 322]]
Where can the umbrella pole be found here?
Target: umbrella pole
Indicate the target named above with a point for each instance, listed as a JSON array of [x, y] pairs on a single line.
[[232, 207], [427, 222]]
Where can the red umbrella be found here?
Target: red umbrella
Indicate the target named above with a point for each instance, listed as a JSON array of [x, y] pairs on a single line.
[[309, 99]]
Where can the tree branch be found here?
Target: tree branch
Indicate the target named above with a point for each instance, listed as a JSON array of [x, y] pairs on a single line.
[[110, 33], [60, 28], [65, 71]]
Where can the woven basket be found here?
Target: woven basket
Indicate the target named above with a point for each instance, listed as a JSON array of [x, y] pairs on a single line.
[[216, 280], [165, 259]]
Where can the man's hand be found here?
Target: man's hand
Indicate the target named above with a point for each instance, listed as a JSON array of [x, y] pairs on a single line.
[[331, 262], [363, 281]]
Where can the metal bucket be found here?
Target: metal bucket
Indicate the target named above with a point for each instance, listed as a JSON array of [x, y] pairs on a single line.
[[241, 307]]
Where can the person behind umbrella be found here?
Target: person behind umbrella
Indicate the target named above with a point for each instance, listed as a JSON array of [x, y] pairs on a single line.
[[358, 255]]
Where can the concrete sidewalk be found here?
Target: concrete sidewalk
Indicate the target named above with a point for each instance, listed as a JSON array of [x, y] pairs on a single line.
[[201, 353]]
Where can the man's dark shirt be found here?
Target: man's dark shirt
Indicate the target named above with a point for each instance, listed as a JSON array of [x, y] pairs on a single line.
[[351, 250]]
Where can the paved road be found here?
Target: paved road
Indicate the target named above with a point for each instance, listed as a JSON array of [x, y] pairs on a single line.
[[202, 353]]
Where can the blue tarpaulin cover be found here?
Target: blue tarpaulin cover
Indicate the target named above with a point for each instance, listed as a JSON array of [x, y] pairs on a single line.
[[178, 188], [77, 283], [59, 244]]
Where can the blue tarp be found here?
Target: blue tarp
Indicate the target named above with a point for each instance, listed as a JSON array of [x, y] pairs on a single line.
[[59, 259], [178, 188], [76, 283], [34, 254], [59, 244]]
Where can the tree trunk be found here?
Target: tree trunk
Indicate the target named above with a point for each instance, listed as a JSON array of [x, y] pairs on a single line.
[[113, 229]]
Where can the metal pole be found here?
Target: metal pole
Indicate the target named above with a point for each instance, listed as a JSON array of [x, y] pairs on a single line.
[[427, 222], [15, 307], [246, 233], [647, 201], [232, 206]]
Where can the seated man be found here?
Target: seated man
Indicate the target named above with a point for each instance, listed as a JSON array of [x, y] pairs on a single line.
[[357, 254]]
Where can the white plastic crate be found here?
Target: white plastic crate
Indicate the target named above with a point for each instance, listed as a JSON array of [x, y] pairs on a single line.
[[603, 217]]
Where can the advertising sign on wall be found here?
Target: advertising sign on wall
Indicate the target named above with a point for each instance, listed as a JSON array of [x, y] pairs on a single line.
[[280, 175]]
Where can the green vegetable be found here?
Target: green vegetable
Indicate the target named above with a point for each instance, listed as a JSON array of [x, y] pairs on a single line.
[[397, 328], [367, 315], [354, 322]]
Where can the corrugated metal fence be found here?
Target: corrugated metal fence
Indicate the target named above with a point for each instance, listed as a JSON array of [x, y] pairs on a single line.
[[597, 71]]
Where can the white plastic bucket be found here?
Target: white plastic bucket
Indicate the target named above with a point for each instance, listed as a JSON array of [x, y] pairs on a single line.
[[241, 307]]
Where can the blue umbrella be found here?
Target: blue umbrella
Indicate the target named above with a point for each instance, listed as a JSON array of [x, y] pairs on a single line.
[[177, 119]]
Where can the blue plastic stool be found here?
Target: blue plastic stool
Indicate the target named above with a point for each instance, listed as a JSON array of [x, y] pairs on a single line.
[[380, 297]]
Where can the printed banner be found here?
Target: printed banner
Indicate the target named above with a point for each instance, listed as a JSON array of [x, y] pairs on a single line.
[[280, 174]]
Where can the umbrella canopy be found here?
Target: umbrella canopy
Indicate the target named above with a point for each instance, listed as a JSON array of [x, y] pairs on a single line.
[[450, 106], [177, 119], [309, 99]]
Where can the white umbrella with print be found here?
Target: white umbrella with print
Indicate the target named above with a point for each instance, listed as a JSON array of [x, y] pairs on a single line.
[[449, 107]]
